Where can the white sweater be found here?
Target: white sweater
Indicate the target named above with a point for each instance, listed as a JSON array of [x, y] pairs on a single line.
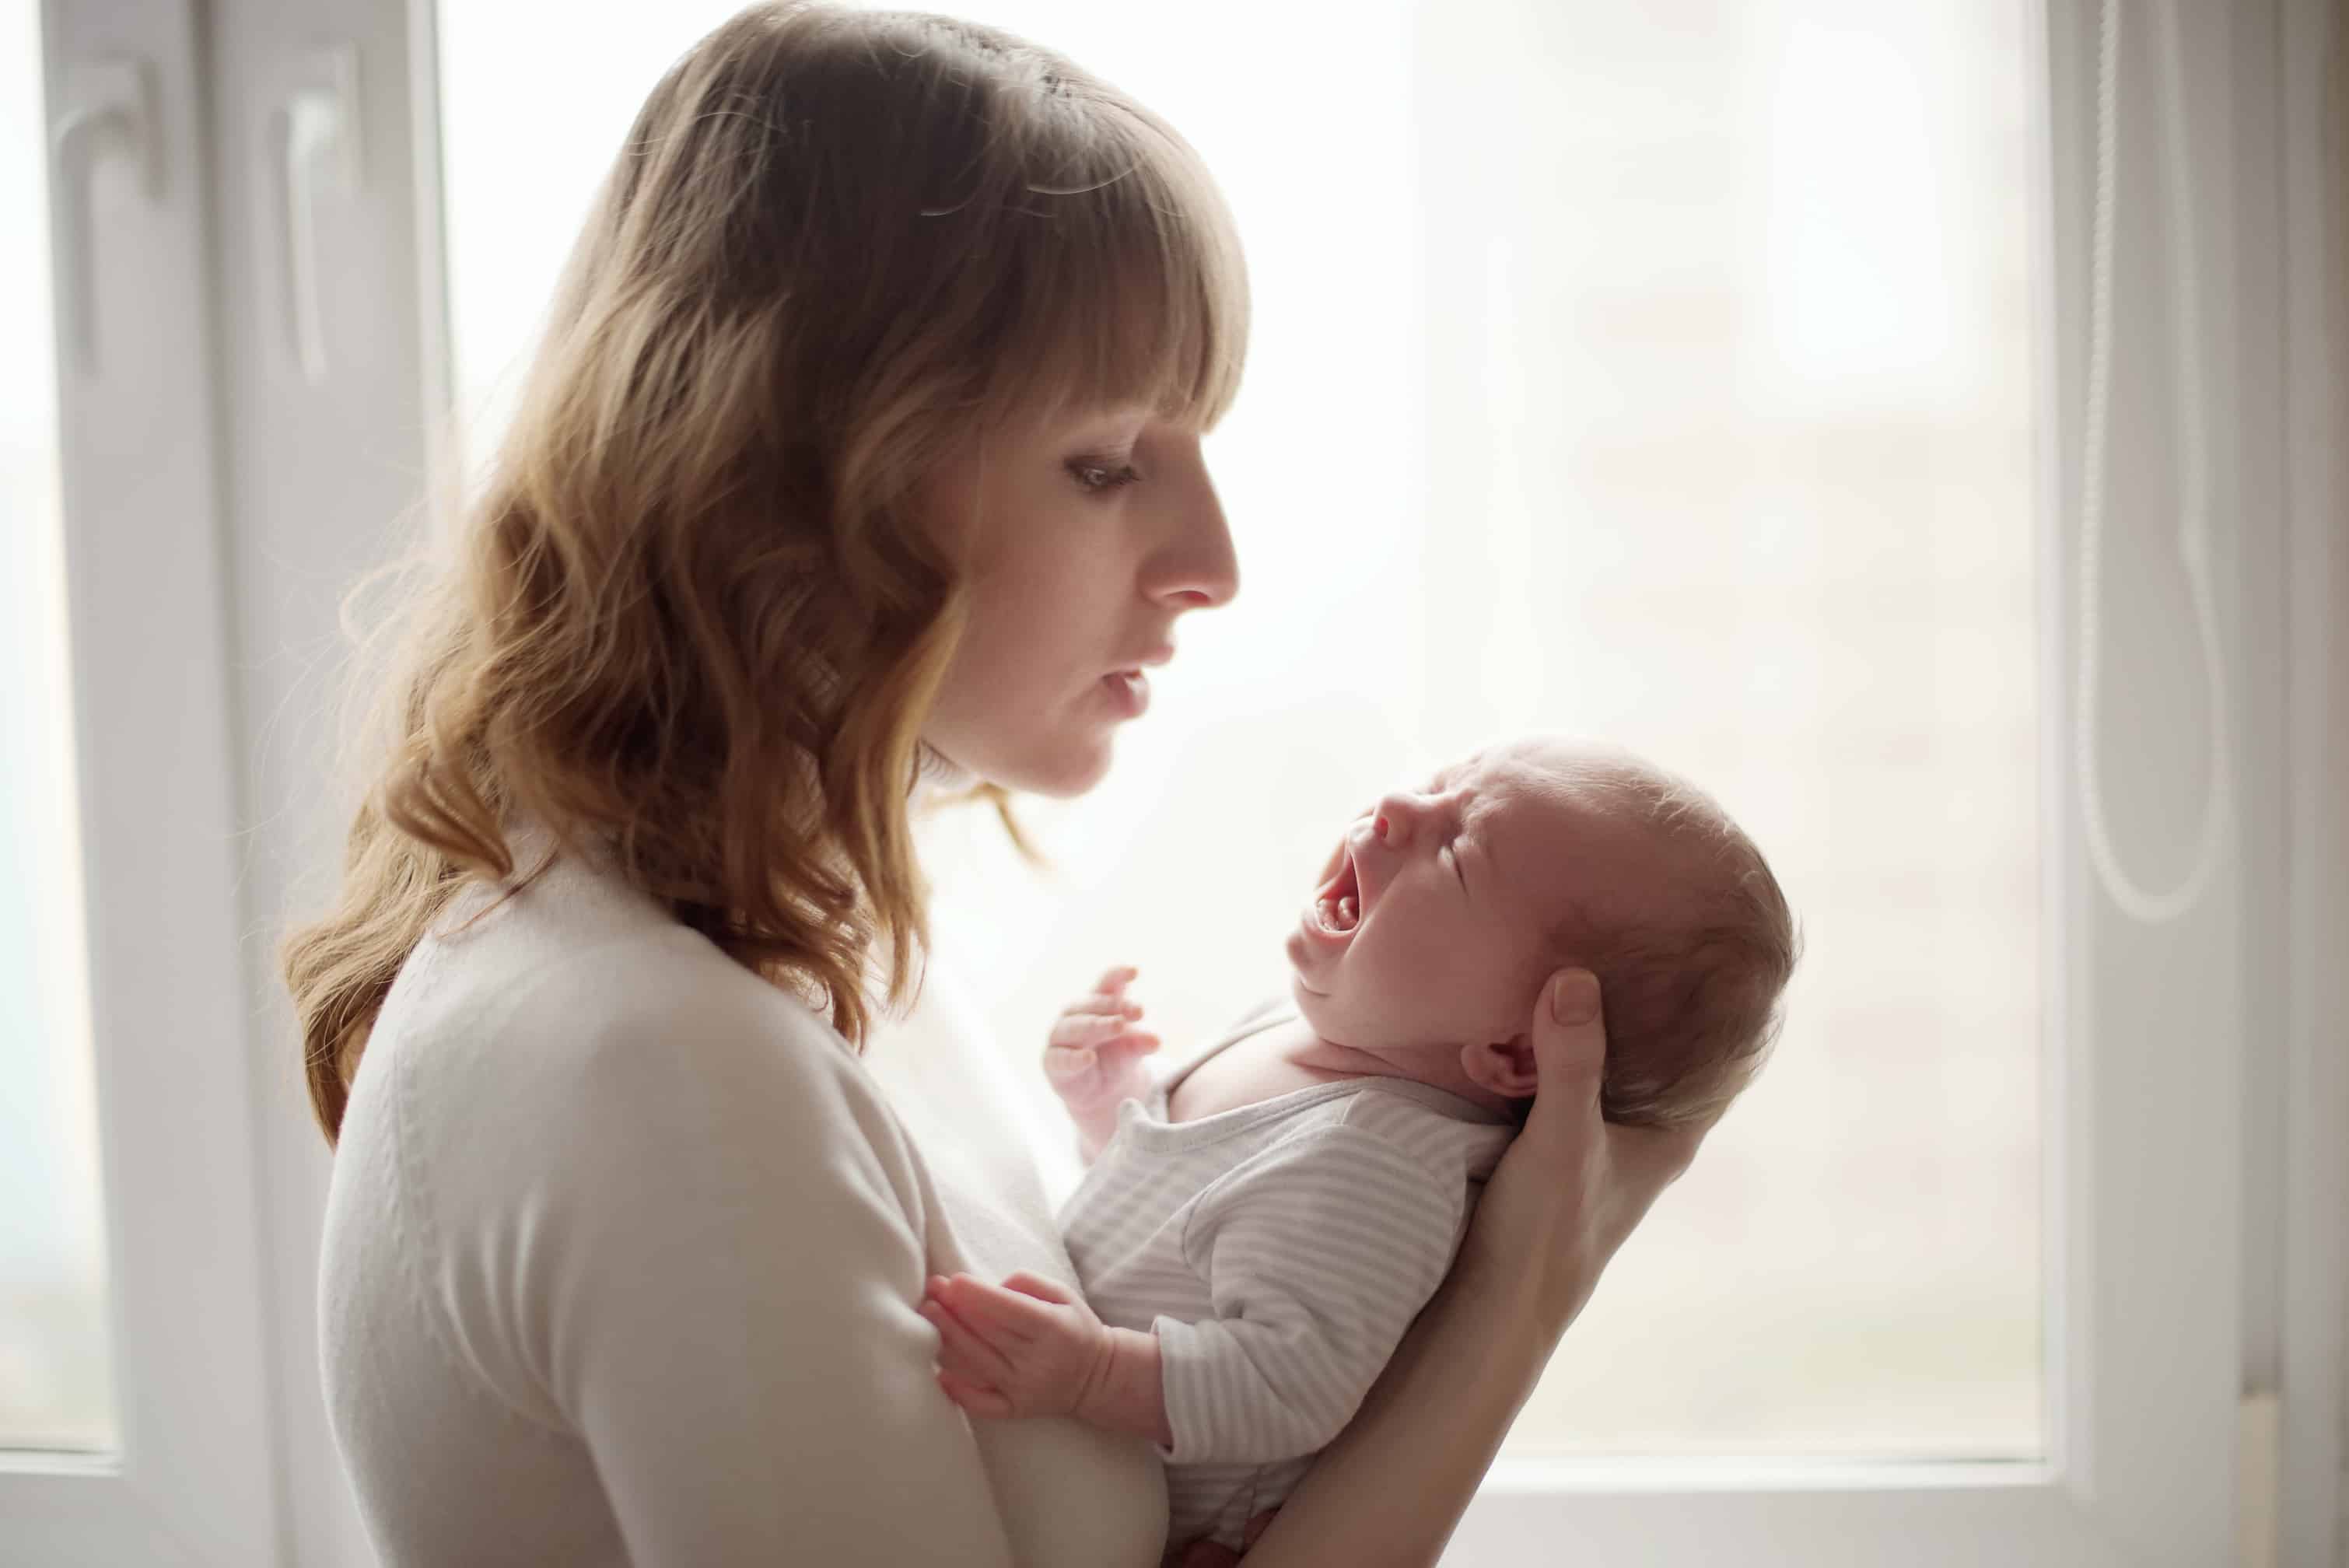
[[621, 1262]]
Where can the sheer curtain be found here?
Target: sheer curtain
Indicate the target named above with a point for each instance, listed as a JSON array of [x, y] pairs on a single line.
[[1663, 374], [1658, 372]]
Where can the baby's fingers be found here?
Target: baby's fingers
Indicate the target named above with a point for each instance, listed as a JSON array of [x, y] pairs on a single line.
[[1039, 1287], [964, 1348], [995, 1312], [978, 1399], [1134, 1043], [1076, 1030], [1064, 1064]]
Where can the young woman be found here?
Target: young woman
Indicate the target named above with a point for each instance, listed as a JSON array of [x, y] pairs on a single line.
[[862, 453]]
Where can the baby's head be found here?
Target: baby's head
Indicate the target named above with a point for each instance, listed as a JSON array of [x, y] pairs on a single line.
[[1444, 910]]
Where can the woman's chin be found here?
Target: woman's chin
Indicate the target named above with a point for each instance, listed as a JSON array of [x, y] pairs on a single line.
[[1076, 771], [1059, 773]]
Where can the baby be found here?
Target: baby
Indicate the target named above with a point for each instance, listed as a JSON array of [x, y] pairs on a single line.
[[1254, 1233]]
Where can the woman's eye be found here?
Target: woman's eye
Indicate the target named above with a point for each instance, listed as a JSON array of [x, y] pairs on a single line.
[[1095, 476]]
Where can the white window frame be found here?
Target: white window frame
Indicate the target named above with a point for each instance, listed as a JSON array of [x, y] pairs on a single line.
[[2299, 1513], [2147, 1402], [139, 442], [204, 573]]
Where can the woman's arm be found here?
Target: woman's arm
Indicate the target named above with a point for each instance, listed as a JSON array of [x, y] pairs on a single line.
[[1393, 1485], [718, 1274]]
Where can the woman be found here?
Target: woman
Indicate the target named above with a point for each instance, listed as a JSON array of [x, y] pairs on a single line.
[[863, 447]]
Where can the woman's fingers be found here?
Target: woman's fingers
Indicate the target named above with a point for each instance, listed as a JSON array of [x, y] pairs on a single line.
[[1569, 1041], [1206, 1553], [1658, 1155], [1573, 1186]]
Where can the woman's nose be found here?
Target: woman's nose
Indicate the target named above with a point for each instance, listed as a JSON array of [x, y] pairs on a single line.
[[1196, 568]]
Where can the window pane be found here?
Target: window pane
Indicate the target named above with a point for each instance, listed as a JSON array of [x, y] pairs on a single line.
[[1749, 396], [1661, 372], [56, 1378]]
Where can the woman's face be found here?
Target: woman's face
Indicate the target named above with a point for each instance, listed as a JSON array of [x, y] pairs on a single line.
[[1083, 537]]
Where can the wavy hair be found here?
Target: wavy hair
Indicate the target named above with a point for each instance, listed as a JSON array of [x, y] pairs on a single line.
[[690, 616]]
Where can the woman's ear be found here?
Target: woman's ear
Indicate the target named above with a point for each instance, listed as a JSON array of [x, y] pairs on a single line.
[[1504, 1066]]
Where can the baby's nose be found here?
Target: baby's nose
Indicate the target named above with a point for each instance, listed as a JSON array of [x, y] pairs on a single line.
[[1394, 819]]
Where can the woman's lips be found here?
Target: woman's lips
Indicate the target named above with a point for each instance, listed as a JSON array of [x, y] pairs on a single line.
[[1128, 687], [1128, 692]]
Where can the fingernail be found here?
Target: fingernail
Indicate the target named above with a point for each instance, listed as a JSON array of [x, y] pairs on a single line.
[[1574, 996]]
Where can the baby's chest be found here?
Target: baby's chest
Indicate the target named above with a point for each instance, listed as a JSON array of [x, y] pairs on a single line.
[[1231, 1079]]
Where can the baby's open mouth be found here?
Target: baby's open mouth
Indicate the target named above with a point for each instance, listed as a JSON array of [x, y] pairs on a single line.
[[1338, 905]]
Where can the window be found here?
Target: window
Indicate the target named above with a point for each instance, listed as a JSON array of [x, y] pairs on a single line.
[[1666, 410], [1705, 376], [55, 1372], [138, 1433], [1620, 304]]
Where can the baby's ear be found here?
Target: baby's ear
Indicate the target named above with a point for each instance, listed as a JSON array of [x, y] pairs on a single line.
[[1504, 1066]]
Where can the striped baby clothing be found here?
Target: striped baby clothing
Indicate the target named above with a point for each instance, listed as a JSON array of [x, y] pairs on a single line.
[[1279, 1251]]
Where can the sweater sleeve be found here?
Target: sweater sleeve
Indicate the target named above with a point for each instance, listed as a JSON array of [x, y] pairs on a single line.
[[711, 1278], [1317, 1254]]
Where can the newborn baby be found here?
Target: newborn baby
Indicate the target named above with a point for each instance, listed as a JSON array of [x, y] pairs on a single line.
[[1255, 1235]]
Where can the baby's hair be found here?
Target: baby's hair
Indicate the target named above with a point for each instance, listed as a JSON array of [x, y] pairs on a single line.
[[1690, 996]]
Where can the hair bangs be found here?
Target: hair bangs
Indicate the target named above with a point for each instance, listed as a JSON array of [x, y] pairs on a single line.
[[1136, 293]]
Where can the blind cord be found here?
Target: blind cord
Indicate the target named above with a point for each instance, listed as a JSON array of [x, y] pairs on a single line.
[[2193, 460]]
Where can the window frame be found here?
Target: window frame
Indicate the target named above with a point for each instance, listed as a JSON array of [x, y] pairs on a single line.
[[2148, 1430], [209, 548], [155, 784]]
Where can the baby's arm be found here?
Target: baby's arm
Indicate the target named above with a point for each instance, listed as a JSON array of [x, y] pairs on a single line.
[[1317, 1254], [1030, 1348], [1093, 1057]]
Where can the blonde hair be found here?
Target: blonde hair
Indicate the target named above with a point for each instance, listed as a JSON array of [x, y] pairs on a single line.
[[691, 616]]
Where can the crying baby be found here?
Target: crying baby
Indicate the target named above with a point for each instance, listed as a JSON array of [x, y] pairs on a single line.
[[1254, 1233]]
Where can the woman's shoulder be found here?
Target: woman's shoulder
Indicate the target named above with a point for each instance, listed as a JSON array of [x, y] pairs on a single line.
[[575, 1022], [578, 963]]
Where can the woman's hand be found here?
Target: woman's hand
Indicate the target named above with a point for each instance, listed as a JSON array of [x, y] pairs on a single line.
[[1393, 1486], [1572, 1186], [1093, 1057], [1208, 1553]]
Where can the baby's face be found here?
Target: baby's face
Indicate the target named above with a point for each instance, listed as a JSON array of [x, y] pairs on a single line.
[[1428, 927]]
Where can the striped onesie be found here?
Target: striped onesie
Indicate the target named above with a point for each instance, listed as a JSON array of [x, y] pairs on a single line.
[[1278, 1251]]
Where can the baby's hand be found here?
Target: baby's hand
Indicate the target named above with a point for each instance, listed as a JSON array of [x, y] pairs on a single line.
[[1026, 1348], [1093, 1058]]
